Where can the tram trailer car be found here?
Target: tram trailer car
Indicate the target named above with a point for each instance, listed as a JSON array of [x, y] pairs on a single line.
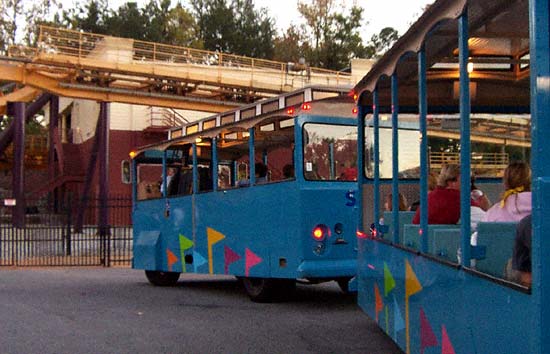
[[296, 223], [476, 75]]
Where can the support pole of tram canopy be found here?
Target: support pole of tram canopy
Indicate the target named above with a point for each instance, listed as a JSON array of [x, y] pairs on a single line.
[[395, 157], [376, 141], [464, 137], [422, 117], [540, 123], [361, 113]]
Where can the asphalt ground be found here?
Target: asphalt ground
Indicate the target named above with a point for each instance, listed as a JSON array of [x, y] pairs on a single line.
[[115, 310]]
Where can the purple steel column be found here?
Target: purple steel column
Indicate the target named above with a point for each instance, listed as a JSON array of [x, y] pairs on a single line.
[[54, 115], [89, 173], [104, 169], [104, 183], [18, 183]]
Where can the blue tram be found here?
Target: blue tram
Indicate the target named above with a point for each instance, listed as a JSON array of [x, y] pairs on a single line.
[[266, 192], [475, 76]]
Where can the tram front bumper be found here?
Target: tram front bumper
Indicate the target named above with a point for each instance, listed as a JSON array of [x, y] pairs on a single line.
[[327, 268]]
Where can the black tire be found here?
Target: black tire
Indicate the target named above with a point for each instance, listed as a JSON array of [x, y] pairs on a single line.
[[268, 289], [343, 283], [159, 278]]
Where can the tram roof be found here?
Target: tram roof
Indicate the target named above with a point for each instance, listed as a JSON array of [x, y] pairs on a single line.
[[322, 100], [499, 50]]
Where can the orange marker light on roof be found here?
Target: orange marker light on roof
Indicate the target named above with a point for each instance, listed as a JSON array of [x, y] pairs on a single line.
[[290, 111], [132, 154], [306, 107]]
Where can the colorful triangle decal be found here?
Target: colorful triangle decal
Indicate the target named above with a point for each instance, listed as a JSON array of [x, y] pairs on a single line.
[[389, 282], [412, 285], [398, 321], [198, 260], [446, 345], [185, 244], [378, 303], [230, 257], [251, 259], [172, 259], [427, 335], [213, 237]]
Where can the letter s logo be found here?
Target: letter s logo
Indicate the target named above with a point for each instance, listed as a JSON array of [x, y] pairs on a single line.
[[350, 196]]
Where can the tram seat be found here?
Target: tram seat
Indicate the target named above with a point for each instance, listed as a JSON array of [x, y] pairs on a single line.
[[498, 238], [405, 217], [446, 242], [412, 237]]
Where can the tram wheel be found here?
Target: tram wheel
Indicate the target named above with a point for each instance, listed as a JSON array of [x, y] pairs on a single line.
[[343, 283], [268, 289], [159, 278]]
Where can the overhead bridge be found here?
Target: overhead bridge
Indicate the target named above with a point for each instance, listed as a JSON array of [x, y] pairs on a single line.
[[104, 68]]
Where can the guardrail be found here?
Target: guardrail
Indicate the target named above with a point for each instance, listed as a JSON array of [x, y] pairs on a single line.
[[54, 40]]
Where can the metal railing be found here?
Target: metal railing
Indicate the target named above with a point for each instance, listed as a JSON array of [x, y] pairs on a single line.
[[78, 44], [49, 238], [479, 160]]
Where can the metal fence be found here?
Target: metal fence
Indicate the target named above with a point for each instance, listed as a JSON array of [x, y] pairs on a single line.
[[49, 237]]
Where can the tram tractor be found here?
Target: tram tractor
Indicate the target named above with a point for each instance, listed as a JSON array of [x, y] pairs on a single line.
[[475, 75], [266, 193]]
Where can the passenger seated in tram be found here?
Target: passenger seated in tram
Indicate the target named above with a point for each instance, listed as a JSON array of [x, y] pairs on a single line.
[[516, 199], [403, 205], [521, 258], [477, 195], [432, 183], [444, 200], [260, 172]]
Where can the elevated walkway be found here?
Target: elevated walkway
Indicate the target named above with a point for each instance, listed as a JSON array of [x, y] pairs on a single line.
[[84, 65]]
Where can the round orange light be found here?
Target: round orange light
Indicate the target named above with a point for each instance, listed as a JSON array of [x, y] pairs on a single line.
[[318, 233]]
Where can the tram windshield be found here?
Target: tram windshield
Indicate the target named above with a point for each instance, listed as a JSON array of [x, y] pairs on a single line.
[[330, 152]]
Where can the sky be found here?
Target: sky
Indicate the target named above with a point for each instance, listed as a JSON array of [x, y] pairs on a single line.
[[399, 14]]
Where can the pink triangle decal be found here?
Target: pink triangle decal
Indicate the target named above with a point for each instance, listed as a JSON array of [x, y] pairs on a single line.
[[230, 257], [446, 345], [427, 335], [251, 259]]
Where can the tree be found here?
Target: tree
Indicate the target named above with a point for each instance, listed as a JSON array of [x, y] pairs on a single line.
[[335, 36], [291, 46], [10, 12], [381, 42], [235, 27], [128, 22], [91, 17]]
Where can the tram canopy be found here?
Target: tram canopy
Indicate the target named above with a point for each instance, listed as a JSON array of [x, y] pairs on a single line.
[[498, 61]]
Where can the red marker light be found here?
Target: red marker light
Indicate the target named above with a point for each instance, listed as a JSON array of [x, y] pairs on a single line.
[[354, 110], [319, 232], [361, 234], [290, 111], [306, 107]]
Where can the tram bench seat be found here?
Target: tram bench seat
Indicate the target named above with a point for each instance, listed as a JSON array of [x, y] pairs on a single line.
[[405, 217], [412, 238], [498, 239], [446, 242]]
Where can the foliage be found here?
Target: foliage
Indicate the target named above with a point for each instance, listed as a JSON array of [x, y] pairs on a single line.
[[234, 27], [381, 42]]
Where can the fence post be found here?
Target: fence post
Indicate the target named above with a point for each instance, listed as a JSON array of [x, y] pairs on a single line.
[[68, 245]]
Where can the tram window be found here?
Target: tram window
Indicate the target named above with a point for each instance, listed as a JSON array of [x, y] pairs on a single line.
[[330, 152], [181, 183], [496, 140], [233, 160], [204, 157], [409, 153], [148, 181], [275, 149]]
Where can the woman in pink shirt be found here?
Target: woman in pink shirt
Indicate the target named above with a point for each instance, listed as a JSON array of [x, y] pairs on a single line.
[[516, 199]]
